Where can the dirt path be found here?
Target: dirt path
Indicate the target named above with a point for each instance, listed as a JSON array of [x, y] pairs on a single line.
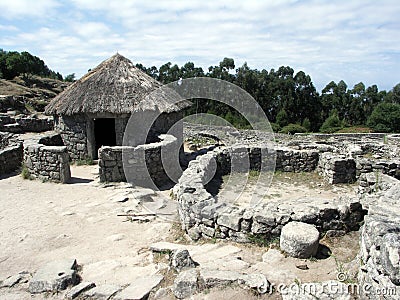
[[41, 222]]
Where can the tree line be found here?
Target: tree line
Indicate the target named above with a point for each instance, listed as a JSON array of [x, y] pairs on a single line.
[[290, 100], [13, 63]]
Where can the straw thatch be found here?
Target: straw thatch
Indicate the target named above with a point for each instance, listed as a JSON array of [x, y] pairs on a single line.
[[115, 86]]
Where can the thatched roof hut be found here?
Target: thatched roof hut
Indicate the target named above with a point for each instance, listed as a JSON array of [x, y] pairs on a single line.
[[95, 110], [115, 86]]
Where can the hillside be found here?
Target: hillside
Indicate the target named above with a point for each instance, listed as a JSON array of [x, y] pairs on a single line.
[[28, 94]]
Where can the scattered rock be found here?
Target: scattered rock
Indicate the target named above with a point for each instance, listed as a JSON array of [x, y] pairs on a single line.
[[181, 259], [54, 276], [140, 288], [272, 256], [299, 239], [79, 289], [21, 277], [102, 292], [185, 284]]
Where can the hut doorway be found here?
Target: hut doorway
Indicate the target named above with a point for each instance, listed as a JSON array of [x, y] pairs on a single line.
[[104, 133]]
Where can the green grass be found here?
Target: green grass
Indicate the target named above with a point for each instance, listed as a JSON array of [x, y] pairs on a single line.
[[25, 172], [84, 162]]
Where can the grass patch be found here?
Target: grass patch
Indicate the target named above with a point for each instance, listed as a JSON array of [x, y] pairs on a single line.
[[355, 129], [262, 241], [25, 172], [84, 162]]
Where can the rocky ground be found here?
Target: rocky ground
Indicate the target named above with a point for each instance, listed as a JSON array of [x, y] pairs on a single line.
[[46, 222]]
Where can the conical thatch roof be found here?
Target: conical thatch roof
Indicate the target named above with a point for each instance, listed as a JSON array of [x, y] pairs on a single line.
[[115, 86]]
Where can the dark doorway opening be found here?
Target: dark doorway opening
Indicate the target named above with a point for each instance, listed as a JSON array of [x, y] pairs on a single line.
[[104, 133]]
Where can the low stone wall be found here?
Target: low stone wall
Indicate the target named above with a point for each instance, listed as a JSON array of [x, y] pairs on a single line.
[[11, 158], [202, 215], [380, 246], [21, 124], [337, 168], [391, 168], [47, 162], [140, 161]]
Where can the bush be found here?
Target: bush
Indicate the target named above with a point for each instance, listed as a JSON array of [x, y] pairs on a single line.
[[331, 124], [306, 124], [385, 118], [275, 127], [25, 172], [293, 128]]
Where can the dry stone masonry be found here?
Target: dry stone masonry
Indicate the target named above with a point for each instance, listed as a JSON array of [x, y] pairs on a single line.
[[139, 160], [47, 163], [202, 215], [11, 158]]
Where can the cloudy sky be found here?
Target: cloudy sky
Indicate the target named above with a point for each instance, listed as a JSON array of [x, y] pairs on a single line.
[[329, 40]]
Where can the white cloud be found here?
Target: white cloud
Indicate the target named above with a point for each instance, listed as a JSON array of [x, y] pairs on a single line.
[[350, 40], [22, 8]]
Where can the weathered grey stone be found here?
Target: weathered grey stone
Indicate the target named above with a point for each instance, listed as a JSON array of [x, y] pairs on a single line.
[[102, 292], [185, 284], [217, 278], [299, 239], [181, 259], [21, 277], [194, 233], [54, 276], [79, 289], [140, 288]]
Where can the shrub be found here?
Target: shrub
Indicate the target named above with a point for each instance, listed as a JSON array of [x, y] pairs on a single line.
[[275, 127], [306, 124], [293, 128], [25, 172], [331, 124]]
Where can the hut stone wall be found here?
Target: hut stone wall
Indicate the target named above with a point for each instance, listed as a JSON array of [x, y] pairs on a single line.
[[73, 130], [77, 131]]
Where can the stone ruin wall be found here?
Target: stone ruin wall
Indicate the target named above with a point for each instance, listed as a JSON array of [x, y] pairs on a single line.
[[47, 161], [11, 157], [22, 123], [202, 215], [139, 160], [380, 236]]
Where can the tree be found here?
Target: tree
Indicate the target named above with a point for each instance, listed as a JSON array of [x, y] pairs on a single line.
[[385, 117], [282, 118], [70, 77], [332, 123]]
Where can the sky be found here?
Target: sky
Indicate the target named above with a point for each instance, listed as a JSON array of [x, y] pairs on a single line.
[[329, 40]]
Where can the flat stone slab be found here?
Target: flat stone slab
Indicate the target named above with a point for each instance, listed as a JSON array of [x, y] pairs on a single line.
[[78, 289], [166, 247], [103, 292], [299, 239], [140, 288], [54, 276], [218, 278]]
